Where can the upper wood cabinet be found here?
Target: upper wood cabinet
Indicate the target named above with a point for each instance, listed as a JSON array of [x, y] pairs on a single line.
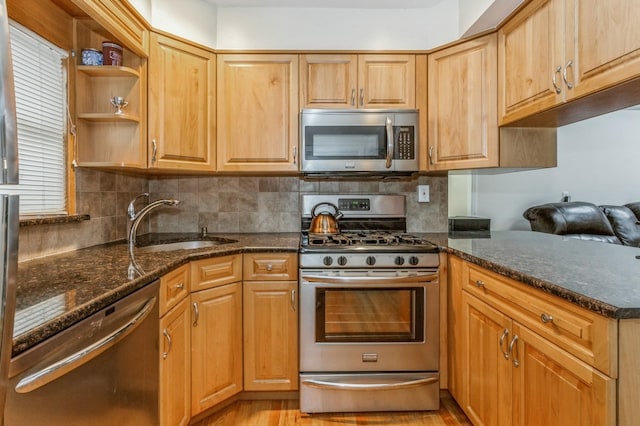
[[104, 138], [181, 106], [606, 46], [357, 81], [554, 51], [257, 112], [530, 48], [462, 106]]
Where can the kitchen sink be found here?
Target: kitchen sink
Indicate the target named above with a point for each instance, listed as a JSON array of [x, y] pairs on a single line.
[[170, 242]]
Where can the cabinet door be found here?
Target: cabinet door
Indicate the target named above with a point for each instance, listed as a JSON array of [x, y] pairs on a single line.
[[175, 366], [386, 81], [551, 387], [328, 81], [530, 50], [270, 335], [488, 374], [216, 341], [181, 105], [605, 49], [120, 19], [257, 112], [463, 120]]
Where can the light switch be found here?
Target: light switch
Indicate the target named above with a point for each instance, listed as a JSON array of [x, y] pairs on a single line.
[[423, 193]]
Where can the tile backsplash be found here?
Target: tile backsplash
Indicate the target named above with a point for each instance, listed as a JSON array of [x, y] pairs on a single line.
[[220, 203], [272, 204]]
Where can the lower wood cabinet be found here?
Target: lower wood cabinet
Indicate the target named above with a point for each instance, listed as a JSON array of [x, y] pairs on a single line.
[[270, 321], [270, 335], [216, 345], [505, 371], [175, 366], [202, 328]]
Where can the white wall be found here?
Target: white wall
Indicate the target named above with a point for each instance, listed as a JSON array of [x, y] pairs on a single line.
[[597, 162], [339, 29]]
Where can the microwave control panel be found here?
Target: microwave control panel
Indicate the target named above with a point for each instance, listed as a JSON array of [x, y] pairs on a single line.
[[406, 143]]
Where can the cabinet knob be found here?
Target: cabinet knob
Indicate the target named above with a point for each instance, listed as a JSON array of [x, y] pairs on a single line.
[[479, 283], [546, 318], [269, 267], [180, 286]]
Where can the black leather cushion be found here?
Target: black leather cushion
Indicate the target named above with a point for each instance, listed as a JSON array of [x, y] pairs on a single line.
[[625, 224], [635, 208], [574, 217]]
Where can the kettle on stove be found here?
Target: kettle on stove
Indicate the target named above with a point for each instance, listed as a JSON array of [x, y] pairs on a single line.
[[324, 222]]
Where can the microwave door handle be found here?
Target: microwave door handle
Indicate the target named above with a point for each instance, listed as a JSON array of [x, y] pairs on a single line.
[[390, 141]]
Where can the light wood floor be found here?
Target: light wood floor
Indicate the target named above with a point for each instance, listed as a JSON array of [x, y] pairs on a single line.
[[286, 412]]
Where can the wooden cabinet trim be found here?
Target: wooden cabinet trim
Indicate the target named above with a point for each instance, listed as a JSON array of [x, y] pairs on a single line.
[[174, 286], [588, 336], [215, 271], [175, 366], [270, 266]]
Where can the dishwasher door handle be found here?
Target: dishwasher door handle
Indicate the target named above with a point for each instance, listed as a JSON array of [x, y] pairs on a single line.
[[60, 368]]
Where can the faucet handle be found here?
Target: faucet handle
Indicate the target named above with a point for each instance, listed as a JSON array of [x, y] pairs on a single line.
[[131, 211]]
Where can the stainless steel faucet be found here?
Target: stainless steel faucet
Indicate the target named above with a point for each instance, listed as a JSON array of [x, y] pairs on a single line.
[[136, 218]]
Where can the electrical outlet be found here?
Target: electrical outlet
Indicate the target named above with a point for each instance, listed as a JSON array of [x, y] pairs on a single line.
[[423, 193], [566, 197]]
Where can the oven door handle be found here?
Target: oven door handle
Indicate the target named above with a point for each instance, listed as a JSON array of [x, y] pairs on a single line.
[[370, 280], [322, 384]]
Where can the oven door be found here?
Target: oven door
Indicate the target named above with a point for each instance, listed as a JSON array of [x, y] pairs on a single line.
[[369, 320]]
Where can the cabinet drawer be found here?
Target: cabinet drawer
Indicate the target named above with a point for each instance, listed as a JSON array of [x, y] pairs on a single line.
[[585, 334], [216, 271], [270, 266], [174, 286]]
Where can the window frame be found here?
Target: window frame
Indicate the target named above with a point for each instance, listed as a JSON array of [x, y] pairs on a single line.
[[64, 41]]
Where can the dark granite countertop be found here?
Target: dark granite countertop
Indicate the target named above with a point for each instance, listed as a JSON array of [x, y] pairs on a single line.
[[601, 277], [57, 291]]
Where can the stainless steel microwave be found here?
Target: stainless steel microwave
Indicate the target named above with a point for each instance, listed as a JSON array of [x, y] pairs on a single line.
[[358, 141]]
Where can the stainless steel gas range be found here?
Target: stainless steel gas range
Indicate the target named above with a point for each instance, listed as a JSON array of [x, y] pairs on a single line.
[[369, 314]]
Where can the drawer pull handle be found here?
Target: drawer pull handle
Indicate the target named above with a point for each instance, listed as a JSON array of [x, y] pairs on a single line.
[[269, 267], [554, 81], [167, 336], [504, 335], [180, 286], [514, 356], [196, 314], [479, 283], [546, 318]]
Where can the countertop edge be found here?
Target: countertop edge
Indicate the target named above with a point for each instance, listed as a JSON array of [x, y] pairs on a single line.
[[575, 298]]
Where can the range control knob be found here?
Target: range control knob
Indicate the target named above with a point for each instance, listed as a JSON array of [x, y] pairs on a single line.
[[413, 260], [399, 261], [371, 260], [327, 260], [342, 261]]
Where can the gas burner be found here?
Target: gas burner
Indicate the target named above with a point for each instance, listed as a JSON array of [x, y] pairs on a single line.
[[364, 240]]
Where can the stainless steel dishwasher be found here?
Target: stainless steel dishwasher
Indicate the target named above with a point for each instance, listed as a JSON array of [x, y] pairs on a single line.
[[101, 371]]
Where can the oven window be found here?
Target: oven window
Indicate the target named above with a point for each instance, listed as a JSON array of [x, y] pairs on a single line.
[[340, 142], [370, 315]]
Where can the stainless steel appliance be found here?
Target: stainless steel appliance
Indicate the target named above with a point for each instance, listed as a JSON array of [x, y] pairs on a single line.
[[369, 310], [8, 203], [359, 142], [102, 371]]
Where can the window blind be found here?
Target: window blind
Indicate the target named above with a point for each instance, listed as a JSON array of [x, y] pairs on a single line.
[[41, 110]]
